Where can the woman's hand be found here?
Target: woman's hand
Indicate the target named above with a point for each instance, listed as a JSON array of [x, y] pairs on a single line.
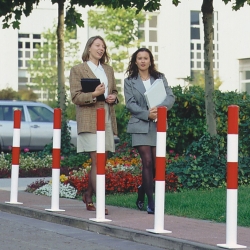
[[111, 98], [152, 113], [99, 90]]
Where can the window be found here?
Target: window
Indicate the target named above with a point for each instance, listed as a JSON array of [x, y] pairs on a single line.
[[153, 22], [148, 33], [36, 45], [152, 36], [196, 41], [195, 17], [27, 45], [7, 112], [247, 75], [195, 33], [36, 36], [40, 114], [23, 35], [23, 79], [248, 87]]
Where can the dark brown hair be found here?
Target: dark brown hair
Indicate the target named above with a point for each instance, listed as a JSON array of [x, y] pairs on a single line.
[[133, 71]]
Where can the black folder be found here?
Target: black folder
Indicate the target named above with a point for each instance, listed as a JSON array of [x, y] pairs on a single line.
[[89, 85]]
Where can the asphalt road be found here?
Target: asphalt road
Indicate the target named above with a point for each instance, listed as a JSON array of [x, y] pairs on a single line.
[[23, 233]]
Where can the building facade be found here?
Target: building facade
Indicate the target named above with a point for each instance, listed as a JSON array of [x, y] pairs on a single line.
[[173, 34]]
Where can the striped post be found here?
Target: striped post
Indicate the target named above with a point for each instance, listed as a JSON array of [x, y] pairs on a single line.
[[100, 167], [56, 158], [232, 179], [15, 158], [160, 172]]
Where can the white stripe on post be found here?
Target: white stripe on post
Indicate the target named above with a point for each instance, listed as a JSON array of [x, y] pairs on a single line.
[[232, 179], [160, 172], [56, 160], [15, 158], [100, 167]]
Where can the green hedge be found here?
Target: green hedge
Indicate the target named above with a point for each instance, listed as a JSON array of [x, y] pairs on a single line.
[[187, 118]]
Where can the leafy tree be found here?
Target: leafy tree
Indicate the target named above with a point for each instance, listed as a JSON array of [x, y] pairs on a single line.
[[43, 66], [237, 3], [11, 94], [8, 94], [121, 28], [27, 95], [198, 79]]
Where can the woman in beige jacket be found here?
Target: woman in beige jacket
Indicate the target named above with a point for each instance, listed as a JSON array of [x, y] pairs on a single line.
[[95, 59]]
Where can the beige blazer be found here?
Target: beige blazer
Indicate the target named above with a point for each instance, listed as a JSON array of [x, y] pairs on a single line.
[[85, 105]]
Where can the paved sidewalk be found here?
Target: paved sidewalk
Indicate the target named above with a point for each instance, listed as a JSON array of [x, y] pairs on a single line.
[[125, 223]]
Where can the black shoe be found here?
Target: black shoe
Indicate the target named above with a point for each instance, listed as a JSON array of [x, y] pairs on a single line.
[[150, 210], [140, 200]]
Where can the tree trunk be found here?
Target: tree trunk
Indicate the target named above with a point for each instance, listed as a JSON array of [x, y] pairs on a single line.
[[60, 54], [207, 10]]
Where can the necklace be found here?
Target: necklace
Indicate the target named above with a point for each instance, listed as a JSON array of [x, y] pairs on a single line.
[[145, 78]]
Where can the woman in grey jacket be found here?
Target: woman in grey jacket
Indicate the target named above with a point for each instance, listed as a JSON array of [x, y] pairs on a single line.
[[141, 74]]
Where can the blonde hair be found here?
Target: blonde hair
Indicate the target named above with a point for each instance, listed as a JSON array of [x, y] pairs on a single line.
[[85, 54]]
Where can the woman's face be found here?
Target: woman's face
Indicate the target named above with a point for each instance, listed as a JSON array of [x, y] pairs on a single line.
[[96, 50], [142, 60]]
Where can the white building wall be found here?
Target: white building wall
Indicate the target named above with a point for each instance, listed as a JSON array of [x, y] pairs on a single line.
[[234, 40], [173, 41], [8, 58]]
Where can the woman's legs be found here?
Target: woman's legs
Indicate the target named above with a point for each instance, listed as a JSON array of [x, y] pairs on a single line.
[[92, 177], [147, 154]]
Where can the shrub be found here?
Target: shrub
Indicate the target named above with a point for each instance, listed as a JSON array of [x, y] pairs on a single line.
[[203, 165]]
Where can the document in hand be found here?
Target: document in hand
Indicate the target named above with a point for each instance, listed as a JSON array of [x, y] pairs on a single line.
[[156, 94], [89, 85]]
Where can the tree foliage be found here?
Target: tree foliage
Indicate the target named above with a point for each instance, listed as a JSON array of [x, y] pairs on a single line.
[[121, 29], [237, 3], [43, 65], [23, 95], [198, 79]]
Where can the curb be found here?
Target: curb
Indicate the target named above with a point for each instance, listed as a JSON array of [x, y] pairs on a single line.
[[137, 236]]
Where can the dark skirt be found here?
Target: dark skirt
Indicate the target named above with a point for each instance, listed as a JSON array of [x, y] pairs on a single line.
[[148, 139]]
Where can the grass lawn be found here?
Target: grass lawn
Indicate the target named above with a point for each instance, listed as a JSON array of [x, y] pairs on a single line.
[[206, 205]]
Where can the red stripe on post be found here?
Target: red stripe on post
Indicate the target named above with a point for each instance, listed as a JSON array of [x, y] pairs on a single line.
[[160, 168], [57, 118], [233, 122], [232, 175], [100, 122], [17, 118], [161, 119], [15, 155], [100, 163], [56, 158]]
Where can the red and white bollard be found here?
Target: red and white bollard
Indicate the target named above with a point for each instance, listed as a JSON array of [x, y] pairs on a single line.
[[15, 158], [56, 159], [100, 167], [232, 179], [160, 172]]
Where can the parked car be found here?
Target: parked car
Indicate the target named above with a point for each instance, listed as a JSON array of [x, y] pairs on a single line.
[[36, 125]]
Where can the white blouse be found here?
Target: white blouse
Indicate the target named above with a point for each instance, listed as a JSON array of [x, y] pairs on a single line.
[[100, 74]]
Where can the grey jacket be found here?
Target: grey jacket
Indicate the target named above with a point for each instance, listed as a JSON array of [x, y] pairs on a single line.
[[136, 103]]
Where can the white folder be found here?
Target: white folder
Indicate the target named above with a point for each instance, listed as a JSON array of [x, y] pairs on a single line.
[[156, 94]]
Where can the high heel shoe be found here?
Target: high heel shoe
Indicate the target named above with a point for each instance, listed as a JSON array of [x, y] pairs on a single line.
[[140, 200], [90, 205], [150, 210]]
